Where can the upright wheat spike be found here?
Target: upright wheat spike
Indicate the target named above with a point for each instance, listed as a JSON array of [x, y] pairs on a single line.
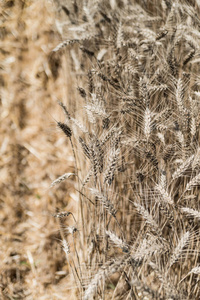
[[147, 123], [179, 248]]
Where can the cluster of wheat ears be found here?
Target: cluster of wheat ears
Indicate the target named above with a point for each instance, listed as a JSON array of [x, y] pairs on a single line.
[[134, 131]]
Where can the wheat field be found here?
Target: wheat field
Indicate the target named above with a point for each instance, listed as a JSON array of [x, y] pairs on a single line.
[[100, 151]]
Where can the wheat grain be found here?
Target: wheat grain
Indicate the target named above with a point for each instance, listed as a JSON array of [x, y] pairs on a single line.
[[117, 241], [147, 216], [147, 123], [183, 167], [164, 194], [179, 248], [193, 182], [191, 212], [111, 166], [61, 178], [105, 201]]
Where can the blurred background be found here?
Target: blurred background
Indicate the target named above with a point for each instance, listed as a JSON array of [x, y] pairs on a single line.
[[33, 153]]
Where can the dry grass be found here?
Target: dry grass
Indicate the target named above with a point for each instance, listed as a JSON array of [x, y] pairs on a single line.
[[126, 196]]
